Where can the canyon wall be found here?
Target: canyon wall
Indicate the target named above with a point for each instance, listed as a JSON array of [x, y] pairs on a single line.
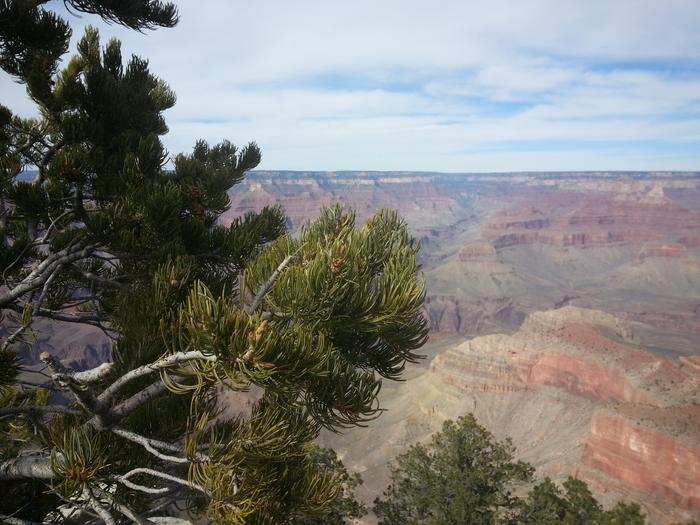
[[498, 246], [583, 292], [639, 414]]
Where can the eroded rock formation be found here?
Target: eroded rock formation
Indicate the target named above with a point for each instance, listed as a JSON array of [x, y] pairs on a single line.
[[642, 423]]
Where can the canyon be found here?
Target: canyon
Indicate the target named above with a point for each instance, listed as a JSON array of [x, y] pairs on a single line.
[[496, 247], [565, 314]]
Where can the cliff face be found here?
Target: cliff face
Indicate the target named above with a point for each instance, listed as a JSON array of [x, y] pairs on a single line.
[[639, 414], [592, 219], [649, 460]]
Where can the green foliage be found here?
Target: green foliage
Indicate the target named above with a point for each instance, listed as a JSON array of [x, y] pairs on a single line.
[[575, 505], [106, 234], [461, 477], [18, 431], [77, 458], [622, 514], [344, 506], [546, 503], [32, 39]]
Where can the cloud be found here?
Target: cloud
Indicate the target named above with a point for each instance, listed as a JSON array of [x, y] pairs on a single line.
[[454, 85]]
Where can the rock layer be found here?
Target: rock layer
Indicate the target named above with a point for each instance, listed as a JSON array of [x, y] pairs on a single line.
[[647, 459], [643, 423]]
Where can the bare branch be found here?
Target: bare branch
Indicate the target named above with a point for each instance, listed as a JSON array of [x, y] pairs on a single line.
[[47, 285], [46, 159], [262, 291], [132, 436], [10, 520], [162, 475], [52, 226], [151, 444], [123, 509], [97, 507], [24, 325], [94, 374], [160, 364], [56, 315], [90, 276], [14, 336], [142, 488], [106, 419], [44, 270], [64, 378], [149, 393]]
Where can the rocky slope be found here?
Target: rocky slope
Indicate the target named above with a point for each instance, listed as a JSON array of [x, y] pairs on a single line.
[[579, 395]]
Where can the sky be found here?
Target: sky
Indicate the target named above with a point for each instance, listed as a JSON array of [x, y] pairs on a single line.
[[441, 85]]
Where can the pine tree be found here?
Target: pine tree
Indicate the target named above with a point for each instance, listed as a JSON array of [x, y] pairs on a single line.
[[461, 477], [107, 234], [464, 476]]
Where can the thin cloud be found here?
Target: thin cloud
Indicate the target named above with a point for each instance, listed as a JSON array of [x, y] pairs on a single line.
[[456, 86]]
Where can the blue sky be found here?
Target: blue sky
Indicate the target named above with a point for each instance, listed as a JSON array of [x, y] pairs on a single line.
[[498, 85]]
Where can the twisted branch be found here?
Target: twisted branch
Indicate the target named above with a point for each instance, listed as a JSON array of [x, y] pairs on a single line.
[[124, 479], [97, 507], [150, 445], [44, 270]]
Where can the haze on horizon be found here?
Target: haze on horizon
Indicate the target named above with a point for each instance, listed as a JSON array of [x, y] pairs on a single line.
[[405, 85]]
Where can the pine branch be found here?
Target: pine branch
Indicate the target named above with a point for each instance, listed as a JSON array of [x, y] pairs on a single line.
[[123, 509], [93, 374], [153, 391], [46, 159], [108, 418], [47, 285], [142, 488], [44, 270], [52, 225], [101, 280], [79, 317], [13, 336], [85, 318], [97, 507], [84, 377], [262, 291], [11, 520], [64, 378], [25, 325]]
